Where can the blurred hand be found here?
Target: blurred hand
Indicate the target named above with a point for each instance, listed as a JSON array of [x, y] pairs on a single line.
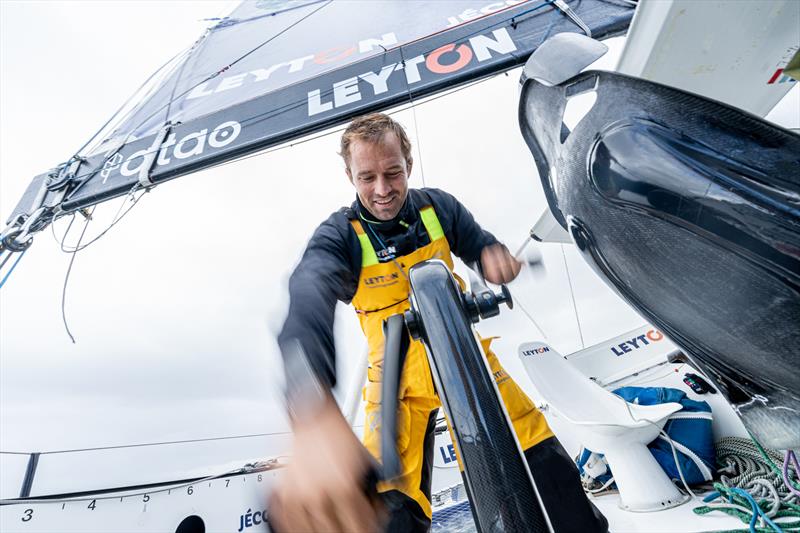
[[322, 489], [498, 265]]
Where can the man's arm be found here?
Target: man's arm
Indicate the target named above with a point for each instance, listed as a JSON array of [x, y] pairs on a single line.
[[498, 265], [472, 243], [322, 489], [327, 272]]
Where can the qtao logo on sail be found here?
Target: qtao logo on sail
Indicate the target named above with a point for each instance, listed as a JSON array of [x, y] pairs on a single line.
[[190, 145], [111, 164]]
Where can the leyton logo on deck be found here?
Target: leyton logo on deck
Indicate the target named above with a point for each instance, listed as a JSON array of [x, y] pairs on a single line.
[[444, 60], [536, 351], [637, 342], [190, 145]]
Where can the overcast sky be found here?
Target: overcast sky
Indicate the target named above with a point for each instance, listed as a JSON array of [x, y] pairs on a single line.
[[176, 309]]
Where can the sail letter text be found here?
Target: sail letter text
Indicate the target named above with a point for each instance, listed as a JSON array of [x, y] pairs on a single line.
[[191, 144], [637, 342], [446, 59]]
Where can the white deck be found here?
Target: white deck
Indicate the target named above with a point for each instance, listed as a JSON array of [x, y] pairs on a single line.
[[678, 519]]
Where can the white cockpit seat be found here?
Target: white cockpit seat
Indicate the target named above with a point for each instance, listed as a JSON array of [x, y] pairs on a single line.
[[607, 424]]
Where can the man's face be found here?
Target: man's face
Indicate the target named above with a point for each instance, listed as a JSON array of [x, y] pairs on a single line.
[[379, 173]]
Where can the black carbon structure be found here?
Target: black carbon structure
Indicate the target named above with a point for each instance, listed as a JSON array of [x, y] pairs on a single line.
[[497, 478], [693, 218]]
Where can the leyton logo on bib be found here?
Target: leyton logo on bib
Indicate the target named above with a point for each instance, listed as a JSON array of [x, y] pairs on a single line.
[[381, 281]]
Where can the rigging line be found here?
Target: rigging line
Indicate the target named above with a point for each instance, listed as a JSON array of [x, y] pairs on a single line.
[[116, 220], [522, 247], [60, 242], [518, 303], [166, 487], [79, 248], [552, 22], [127, 101], [185, 51], [237, 60], [6, 258], [231, 22], [195, 46], [66, 232], [5, 278], [63, 238], [416, 122], [66, 278], [188, 90], [88, 176], [160, 76], [172, 93], [465, 36], [289, 27], [146, 444], [572, 297], [419, 139]]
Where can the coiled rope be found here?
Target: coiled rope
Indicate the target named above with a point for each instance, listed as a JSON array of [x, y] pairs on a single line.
[[752, 487]]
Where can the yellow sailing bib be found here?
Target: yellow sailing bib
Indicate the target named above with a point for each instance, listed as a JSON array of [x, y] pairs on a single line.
[[383, 290]]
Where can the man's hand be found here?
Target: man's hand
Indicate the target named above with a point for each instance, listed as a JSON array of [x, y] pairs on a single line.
[[498, 265], [322, 489]]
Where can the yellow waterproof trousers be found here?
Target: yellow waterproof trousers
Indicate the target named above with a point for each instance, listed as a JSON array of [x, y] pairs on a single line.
[[382, 292]]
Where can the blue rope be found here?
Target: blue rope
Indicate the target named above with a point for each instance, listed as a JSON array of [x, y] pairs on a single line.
[[12, 268], [756, 510]]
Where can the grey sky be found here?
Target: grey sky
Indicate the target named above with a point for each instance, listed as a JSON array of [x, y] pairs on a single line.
[[175, 310]]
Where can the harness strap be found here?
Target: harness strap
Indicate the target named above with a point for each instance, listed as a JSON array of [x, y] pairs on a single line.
[[370, 258], [368, 255], [431, 222]]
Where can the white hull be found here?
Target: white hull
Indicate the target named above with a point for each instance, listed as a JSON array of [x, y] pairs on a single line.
[[237, 502]]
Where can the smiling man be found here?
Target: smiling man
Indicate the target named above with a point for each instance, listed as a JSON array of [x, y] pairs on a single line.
[[361, 255]]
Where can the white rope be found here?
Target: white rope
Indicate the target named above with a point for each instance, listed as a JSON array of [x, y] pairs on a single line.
[[572, 297]]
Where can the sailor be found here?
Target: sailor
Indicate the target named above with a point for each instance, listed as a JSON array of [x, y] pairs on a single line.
[[362, 255]]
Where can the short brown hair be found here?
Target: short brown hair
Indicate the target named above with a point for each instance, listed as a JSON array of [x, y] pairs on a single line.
[[372, 128]]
